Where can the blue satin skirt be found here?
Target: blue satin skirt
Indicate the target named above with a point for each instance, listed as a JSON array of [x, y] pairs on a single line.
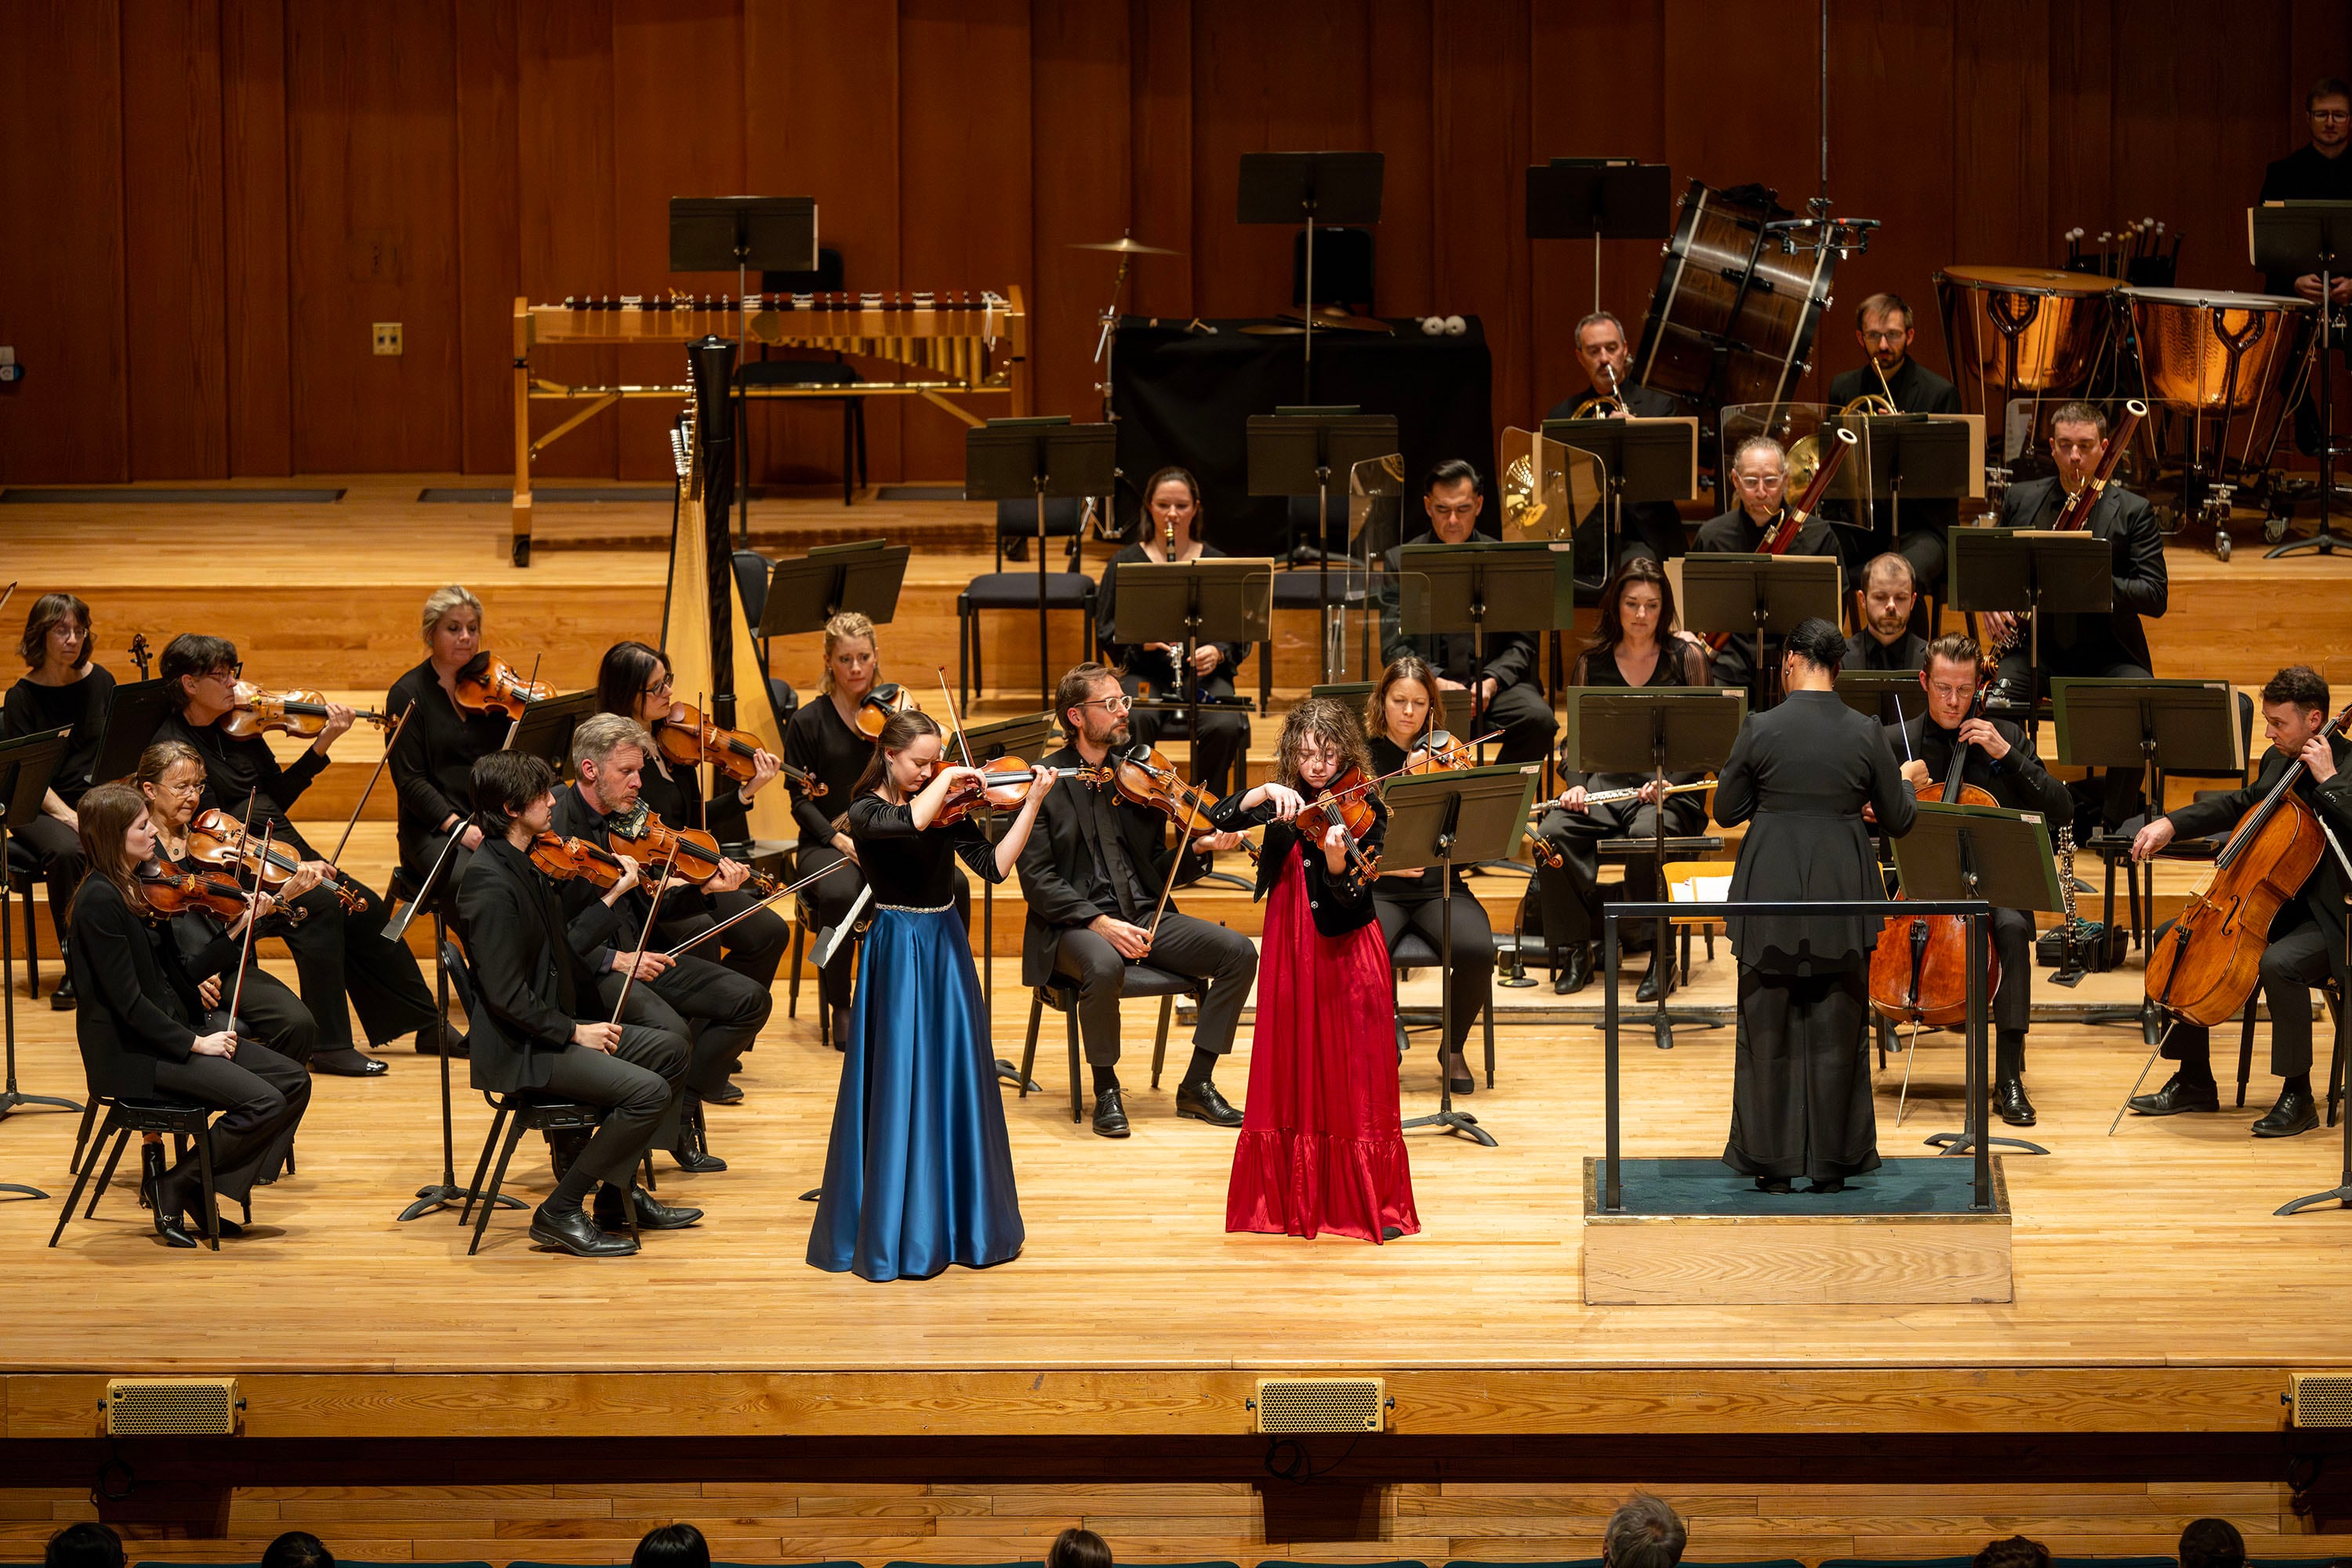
[[920, 1172]]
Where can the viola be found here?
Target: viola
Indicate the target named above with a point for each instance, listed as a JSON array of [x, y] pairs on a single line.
[[565, 858], [1345, 803], [1546, 852], [691, 853], [1144, 775], [216, 839], [1783, 533], [488, 685], [687, 740], [1919, 971], [301, 714], [876, 708], [170, 891]]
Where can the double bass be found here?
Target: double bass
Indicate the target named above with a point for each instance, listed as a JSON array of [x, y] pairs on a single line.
[[1919, 970]]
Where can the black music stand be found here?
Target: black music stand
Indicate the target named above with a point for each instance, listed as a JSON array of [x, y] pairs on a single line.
[[1229, 598], [1439, 819], [1753, 594], [2025, 573], [1026, 736], [544, 730], [1330, 188], [1913, 455], [2002, 857], [1876, 691], [1481, 585], [1007, 459], [1600, 198], [746, 234], [806, 591], [1295, 452], [1641, 461], [133, 712], [1657, 731], [26, 765], [2295, 238]]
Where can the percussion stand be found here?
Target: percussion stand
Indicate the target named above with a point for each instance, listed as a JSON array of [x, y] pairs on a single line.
[[2291, 237]]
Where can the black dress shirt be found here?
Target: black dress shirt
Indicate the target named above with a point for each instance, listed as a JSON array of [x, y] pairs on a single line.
[[834, 754], [80, 705]]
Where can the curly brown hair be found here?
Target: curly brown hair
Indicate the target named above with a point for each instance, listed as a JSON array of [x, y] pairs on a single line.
[[1329, 720]]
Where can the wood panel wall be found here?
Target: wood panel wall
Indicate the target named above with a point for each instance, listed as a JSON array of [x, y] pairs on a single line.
[[222, 194]]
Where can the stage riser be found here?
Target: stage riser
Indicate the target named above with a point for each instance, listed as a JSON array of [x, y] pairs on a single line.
[[1706, 1262]]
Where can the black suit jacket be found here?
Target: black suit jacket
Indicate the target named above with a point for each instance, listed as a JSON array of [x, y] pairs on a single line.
[[1510, 656], [1338, 905], [1055, 846], [1917, 389], [529, 986], [2324, 891], [2128, 524], [138, 990], [1864, 651]]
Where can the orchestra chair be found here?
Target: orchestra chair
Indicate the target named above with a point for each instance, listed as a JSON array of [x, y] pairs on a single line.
[[2335, 1060], [22, 877], [752, 570], [183, 1120], [1015, 591], [1016, 524], [1414, 951], [2112, 847], [801, 372], [1061, 993], [523, 1110]]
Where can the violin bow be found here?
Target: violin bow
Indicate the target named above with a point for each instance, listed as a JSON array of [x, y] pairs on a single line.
[[390, 740], [516, 727], [707, 933], [644, 934], [955, 719], [252, 919], [9, 593], [702, 753]]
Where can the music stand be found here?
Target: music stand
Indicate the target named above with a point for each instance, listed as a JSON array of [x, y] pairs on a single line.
[[1439, 819], [1604, 199], [1229, 598], [769, 234], [2002, 857], [2025, 571], [1026, 735], [26, 765], [1481, 585], [544, 730], [1007, 459], [1875, 692], [1295, 452], [1754, 595], [1917, 455], [133, 712], [1641, 461], [806, 591], [1331, 188], [1657, 731], [2340, 1193], [2295, 238]]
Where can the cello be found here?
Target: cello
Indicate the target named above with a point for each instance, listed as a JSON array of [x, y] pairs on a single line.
[[2204, 971], [1919, 970]]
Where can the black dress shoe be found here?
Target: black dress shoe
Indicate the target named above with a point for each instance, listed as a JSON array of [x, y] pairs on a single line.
[[2295, 1112], [1575, 975], [347, 1062], [1390, 1232], [2176, 1096], [652, 1214], [1464, 1083], [440, 1039], [1201, 1102], [62, 999], [1834, 1185], [573, 1231], [726, 1094], [1110, 1116], [167, 1221], [2008, 1101], [1651, 983], [699, 1161], [1777, 1185]]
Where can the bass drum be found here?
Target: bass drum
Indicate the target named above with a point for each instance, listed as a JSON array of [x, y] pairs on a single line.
[[2022, 330], [1729, 321]]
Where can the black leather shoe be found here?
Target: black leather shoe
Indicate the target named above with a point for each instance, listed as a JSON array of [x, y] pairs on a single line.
[[1201, 1102], [2294, 1112], [573, 1231], [1110, 1116], [1651, 983], [2008, 1101], [347, 1062], [1464, 1082], [441, 1040], [725, 1094], [2176, 1096], [1776, 1186], [652, 1214], [699, 1161], [62, 999], [1391, 1232], [167, 1223], [1575, 975], [1835, 1185]]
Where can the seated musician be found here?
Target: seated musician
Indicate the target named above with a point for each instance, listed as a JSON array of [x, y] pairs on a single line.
[[538, 1026], [1882, 327], [2112, 646], [341, 955], [2306, 938], [2000, 760], [1508, 697], [1172, 501], [1092, 873], [823, 739], [1883, 603], [2316, 171], [634, 682], [1636, 645], [718, 1008], [1651, 528], [62, 688], [1397, 720], [1759, 473]]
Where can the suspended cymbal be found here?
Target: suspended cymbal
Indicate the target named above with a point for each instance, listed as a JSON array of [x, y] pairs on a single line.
[[1125, 246]]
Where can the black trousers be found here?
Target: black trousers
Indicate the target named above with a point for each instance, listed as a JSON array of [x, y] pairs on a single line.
[[1225, 959], [754, 947], [1567, 899], [262, 1097], [344, 962], [637, 1083], [2120, 790], [1526, 720], [1470, 983], [1800, 1086], [2297, 959], [1224, 731], [718, 1011], [270, 1014], [47, 846], [830, 898]]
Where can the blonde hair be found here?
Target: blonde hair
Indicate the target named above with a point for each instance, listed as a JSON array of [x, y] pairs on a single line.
[[1329, 720], [844, 627], [442, 600]]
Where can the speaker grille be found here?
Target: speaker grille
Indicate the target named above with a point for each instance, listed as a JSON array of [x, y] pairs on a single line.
[[194, 1407], [1321, 1405], [2320, 1400]]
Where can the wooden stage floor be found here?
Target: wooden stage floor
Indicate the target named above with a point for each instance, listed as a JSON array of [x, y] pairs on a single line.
[[2155, 1291]]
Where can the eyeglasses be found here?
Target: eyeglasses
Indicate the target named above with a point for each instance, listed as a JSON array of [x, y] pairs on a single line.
[[1118, 704], [230, 673], [1887, 335], [2331, 113], [658, 688], [1759, 481]]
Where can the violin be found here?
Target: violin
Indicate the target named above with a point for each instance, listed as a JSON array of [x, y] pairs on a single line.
[[1782, 534], [1546, 852], [216, 839], [1145, 775], [1345, 804], [2206, 967], [691, 853], [488, 685], [1919, 970], [1004, 782], [1441, 753], [170, 891], [138, 654], [687, 740], [565, 858], [876, 708], [301, 714]]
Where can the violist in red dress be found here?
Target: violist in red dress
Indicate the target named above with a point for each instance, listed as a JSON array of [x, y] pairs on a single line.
[[1322, 1141]]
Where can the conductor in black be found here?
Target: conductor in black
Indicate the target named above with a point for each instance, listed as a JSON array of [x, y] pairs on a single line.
[[1799, 775]]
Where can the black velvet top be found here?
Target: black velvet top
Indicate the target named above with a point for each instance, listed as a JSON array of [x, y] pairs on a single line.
[[33, 708], [818, 743], [912, 867], [431, 765]]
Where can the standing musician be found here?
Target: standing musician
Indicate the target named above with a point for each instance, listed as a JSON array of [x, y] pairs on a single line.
[[1654, 527], [1508, 697], [537, 1026], [2112, 646], [1092, 874], [1800, 775], [2001, 762], [1883, 603], [1171, 510], [1636, 645], [338, 954], [432, 761], [823, 741], [138, 1027], [63, 687], [1760, 472], [634, 682], [1882, 327], [2316, 171], [719, 1009], [2306, 938], [1397, 720]]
